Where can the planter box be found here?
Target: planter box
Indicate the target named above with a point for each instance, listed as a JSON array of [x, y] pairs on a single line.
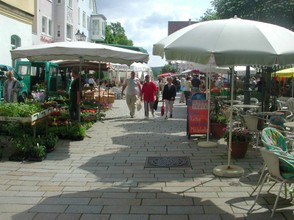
[[31, 119]]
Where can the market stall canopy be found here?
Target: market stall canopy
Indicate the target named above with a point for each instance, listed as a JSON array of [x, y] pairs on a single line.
[[81, 51], [286, 73]]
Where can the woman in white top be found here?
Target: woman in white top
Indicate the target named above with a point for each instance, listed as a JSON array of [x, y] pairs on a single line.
[[11, 88]]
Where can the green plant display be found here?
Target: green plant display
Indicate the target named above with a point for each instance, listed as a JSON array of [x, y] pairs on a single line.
[[19, 109]]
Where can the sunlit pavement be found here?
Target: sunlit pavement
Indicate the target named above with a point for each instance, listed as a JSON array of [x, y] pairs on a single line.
[[103, 176]]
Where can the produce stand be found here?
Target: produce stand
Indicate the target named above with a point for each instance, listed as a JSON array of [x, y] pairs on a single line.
[[33, 119]]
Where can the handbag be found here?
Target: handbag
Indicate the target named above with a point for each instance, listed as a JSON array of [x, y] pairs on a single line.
[[155, 105], [162, 108], [139, 105]]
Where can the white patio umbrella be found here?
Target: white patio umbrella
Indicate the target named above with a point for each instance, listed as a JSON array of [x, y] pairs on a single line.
[[229, 42]]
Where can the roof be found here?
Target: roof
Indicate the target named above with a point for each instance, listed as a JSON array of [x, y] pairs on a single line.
[[139, 49]]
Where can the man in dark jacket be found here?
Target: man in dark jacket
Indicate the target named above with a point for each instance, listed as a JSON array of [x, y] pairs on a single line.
[[168, 96], [196, 83]]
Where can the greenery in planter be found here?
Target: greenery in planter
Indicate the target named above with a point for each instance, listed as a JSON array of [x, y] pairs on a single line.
[[74, 131], [37, 152], [239, 134], [216, 114], [49, 141], [19, 109], [21, 147], [26, 147]]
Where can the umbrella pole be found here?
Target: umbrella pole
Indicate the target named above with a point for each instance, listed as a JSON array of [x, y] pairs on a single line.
[[207, 143], [292, 87], [99, 98], [80, 88], [229, 170]]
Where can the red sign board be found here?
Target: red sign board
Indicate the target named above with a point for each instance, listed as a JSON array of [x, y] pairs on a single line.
[[197, 117]]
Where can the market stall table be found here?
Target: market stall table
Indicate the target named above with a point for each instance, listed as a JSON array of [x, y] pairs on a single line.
[[33, 119]]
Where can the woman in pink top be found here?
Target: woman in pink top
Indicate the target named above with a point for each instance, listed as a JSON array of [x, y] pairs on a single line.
[[148, 94]]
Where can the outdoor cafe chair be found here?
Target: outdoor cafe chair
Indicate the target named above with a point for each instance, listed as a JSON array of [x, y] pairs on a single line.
[[290, 106], [275, 141], [280, 170], [251, 122]]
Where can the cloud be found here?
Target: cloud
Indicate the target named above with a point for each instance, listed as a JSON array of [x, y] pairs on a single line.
[[145, 22]]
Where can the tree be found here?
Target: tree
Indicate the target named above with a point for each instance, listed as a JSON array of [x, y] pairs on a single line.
[[279, 12], [168, 68], [115, 34], [209, 15]]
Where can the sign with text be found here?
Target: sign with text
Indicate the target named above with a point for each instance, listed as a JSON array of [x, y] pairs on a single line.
[[197, 117]]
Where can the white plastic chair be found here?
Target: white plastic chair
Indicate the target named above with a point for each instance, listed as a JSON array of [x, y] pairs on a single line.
[[272, 161], [251, 122], [290, 106]]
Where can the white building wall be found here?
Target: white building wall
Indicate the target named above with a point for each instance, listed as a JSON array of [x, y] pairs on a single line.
[[43, 9], [11, 27]]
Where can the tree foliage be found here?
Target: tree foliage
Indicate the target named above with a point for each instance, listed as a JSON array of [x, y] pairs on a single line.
[[279, 12], [168, 68], [115, 34]]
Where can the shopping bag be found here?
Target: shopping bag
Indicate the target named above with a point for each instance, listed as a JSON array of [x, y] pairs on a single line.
[[155, 105], [162, 108], [139, 105]]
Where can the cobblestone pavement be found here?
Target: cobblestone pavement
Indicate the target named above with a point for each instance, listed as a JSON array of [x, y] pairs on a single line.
[[103, 177]]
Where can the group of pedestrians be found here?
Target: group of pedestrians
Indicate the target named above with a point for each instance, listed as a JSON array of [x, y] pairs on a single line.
[[148, 93]]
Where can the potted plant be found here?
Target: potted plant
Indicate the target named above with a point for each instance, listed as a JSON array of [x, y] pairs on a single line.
[[218, 121], [37, 152], [241, 137]]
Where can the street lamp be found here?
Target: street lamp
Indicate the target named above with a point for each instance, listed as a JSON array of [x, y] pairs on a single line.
[[80, 36]]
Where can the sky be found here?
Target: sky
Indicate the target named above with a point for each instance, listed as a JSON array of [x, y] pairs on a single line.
[[145, 21]]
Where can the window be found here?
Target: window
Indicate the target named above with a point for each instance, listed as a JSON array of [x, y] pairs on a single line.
[[88, 22], [50, 27], [79, 16], [70, 3], [95, 27], [103, 28], [58, 30], [84, 19], [15, 41], [58, 1], [44, 25], [69, 31]]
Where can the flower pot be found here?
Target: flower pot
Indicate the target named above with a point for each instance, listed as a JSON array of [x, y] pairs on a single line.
[[217, 129], [239, 149]]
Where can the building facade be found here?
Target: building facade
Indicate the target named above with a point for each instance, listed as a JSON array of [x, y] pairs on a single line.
[[32, 22], [16, 20]]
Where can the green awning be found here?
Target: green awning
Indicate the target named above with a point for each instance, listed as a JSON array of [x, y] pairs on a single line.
[[139, 49]]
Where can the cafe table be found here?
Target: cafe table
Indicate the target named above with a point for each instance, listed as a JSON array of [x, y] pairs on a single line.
[[247, 106], [289, 124]]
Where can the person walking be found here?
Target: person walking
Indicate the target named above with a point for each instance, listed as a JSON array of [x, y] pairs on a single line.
[[187, 88], [133, 90], [75, 97], [168, 96], [196, 83], [148, 94], [11, 87]]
